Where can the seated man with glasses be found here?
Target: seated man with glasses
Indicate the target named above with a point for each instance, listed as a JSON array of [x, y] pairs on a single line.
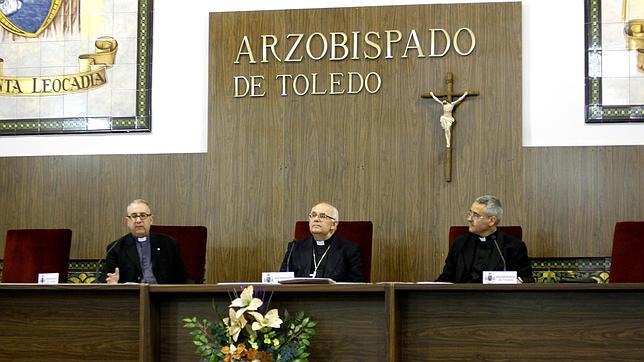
[[324, 254], [141, 257], [485, 248]]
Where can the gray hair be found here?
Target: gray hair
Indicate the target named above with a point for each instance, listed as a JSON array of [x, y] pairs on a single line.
[[493, 206], [139, 201], [334, 211]]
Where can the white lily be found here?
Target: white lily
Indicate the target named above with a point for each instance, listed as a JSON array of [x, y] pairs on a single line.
[[236, 323], [246, 301], [271, 320]]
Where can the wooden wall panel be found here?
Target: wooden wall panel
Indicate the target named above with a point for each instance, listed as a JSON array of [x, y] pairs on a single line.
[[377, 157], [575, 195]]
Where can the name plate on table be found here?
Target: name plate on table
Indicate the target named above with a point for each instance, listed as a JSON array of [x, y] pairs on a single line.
[[276, 277], [47, 278], [500, 277]]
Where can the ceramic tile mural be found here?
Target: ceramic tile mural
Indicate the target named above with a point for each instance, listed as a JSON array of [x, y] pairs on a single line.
[[614, 61], [72, 66]]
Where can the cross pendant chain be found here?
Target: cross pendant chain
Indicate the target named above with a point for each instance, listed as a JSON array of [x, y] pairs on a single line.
[[316, 264]]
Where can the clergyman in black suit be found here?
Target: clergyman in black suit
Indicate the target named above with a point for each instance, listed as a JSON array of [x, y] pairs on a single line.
[[485, 247], [141, 257], [324, 254]]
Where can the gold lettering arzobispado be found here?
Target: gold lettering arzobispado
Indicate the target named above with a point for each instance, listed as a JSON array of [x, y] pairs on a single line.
[[339, 46]]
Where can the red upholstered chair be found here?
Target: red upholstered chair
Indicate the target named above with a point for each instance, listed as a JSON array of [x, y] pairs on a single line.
[[626, 264], [192, 246], [28, 252], [360, 232], [456, 231]]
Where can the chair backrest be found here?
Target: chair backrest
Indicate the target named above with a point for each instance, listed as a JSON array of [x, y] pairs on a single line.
[[628, 252], [456, 231], [360, 232], [192, 246], [28, 252]]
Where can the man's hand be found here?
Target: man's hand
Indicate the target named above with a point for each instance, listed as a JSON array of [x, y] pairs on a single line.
[[113, 278]]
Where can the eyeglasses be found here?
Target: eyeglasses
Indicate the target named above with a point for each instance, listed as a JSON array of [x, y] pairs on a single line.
[[312, 215], [141, 216], [474, 215]]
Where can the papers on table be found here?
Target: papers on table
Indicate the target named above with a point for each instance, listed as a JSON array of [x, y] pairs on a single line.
[[307, 281]]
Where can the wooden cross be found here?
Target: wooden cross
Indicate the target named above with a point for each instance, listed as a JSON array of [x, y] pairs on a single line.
[[449, 95]]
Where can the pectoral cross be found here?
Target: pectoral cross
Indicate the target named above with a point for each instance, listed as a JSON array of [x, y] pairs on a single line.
[[447, 119]]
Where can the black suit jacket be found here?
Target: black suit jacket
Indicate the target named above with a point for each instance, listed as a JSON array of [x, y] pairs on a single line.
[[344, 263], [167, 265], [459, 261]]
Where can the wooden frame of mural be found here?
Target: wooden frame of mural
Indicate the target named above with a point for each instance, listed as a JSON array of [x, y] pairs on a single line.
[[18, 88], [614, 62]]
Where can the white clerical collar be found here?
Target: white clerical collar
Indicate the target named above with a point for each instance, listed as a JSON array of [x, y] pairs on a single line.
[[484, 238], [142, 239], [320, 242]]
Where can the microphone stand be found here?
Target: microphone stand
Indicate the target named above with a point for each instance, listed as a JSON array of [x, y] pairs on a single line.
[[501, 254], [291, 245], [97, 274]]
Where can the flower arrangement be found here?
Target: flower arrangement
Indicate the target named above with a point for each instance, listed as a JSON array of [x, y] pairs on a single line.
[[248, 335]]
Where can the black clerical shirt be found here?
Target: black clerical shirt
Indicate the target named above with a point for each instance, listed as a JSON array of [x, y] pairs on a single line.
[[320, 257], [482, 258]]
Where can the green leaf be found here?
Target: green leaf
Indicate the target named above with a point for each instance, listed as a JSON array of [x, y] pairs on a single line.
[[203, 339]]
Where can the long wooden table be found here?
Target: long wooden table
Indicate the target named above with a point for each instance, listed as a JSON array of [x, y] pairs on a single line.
[[370, 322], [73, 322]]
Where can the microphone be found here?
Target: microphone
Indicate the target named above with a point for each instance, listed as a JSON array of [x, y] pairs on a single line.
[[288, 254], [97, 274], [500, 253]]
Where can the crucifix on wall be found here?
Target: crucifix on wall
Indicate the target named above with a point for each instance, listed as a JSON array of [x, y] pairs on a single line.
[[447, 118]]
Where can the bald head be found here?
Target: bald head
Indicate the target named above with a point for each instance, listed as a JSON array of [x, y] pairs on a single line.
[[323, 220]]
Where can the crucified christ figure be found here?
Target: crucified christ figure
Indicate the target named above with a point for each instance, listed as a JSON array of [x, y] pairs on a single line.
[[447, 119]]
